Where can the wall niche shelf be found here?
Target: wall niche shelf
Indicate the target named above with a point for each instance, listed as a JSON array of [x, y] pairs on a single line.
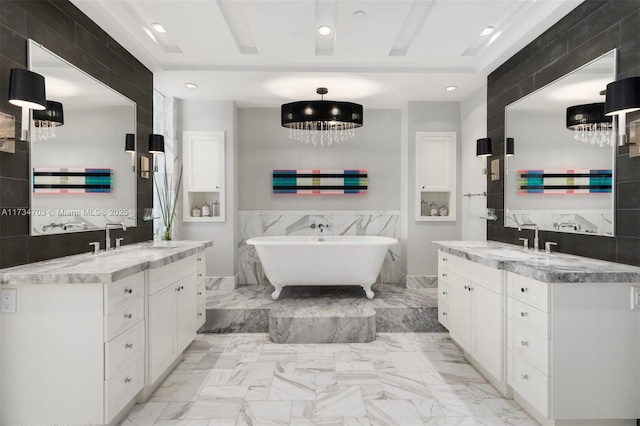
[[204, 158], [435, 175]]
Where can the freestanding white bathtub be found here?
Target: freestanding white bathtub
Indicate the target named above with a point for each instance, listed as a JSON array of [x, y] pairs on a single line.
[[322, 260]]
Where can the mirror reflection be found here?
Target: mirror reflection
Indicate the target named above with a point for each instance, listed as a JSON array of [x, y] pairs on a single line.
[[560, 175], [81, 175]]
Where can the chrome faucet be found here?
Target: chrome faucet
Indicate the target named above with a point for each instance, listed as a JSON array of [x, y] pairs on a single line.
[[576, 226], [536, 241], [107, 227], [322, 227]]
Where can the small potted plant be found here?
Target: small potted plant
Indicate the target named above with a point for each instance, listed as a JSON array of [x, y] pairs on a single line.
[[167, 200]]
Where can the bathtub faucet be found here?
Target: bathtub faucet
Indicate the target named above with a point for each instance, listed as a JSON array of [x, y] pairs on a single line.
[[322, 227]]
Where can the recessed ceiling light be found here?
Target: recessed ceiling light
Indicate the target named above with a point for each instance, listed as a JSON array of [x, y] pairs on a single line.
[[450, 88], [324, 30], [158, 27], [150, 34], [487, 31], [191, 85], [359, 15]]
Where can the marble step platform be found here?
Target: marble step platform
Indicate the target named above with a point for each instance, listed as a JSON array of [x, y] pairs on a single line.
[[322, 314]]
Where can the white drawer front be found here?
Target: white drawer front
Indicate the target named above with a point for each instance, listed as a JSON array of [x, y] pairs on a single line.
[[529, 382], [443, 291], [122, 349], [530, 345], [529, 316], [443, 313], [490, 278], [201, 314], [530, 291], [121, 389], [443, 259], [119, 293], [161, 277], [122, 319], [201, 292]]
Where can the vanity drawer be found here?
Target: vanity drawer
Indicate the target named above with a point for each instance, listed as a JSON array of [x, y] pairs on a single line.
[[528, 344], [122, 349], [443, 313], [120, 320], [121, 292], [122, 388], [529, 382], [201, 314], [529, 316], [161, 277], [530, 291], [443, 292], [443, 259]]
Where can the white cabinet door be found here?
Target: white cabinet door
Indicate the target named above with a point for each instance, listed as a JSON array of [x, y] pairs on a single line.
[[460, 308], [187, 315], [162, 323], [487, 324], [435, 156], [204, 161]]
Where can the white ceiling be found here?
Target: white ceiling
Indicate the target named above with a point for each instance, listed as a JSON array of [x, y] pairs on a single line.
[[267, 52]]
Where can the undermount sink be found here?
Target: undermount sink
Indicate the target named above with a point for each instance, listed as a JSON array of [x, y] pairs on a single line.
[[518, 254]]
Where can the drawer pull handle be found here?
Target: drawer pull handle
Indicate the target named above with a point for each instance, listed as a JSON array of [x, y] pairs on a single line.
[[199, 314], [525, 377], [524, 343], [466, 287], [444, 275], [180, 288], [199, 293], [199, 275], [444, 314], [524, 289], [524, 314], [470, 288], [199, 259], [128, 316], [128, 290], [128, 346], [444, 292], [444, 259], [127, 380]]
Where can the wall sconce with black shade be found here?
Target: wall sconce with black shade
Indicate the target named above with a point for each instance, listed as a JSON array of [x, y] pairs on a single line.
[[26, 90], [510, 150], [130, 147], [156, 146], [623, 97], [47, 120]]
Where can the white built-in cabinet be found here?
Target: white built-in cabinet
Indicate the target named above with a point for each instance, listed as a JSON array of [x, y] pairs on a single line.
[[435, 154], [83, 353], [472, 300], [203, 174]]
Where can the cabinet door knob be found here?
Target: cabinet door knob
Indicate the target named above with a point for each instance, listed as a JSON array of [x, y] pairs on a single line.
[[444, 275], [525, 377], [524, 289], [128, 316], [199, 259], [128, 346], [470, 288], [524, 314], [178, 288], [444, 292], [444, 259], [199, 293], [128, 290], [524, 343], [444, 314], [466, 287], [127, 380], [199, 275], [199, 314]]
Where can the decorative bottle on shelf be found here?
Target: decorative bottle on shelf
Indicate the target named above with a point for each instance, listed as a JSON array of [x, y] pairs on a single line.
[[423, 208], [206, 210], [196, 212], [444, 211], [216, 208], [433, 209]]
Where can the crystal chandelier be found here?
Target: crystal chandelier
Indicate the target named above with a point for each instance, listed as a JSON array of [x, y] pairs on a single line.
[[321, 122], [47, 120], [590, 124]]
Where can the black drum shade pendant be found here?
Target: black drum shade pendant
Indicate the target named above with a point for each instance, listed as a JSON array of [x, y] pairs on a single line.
[[321, 122], [591, 124], [47, 120]]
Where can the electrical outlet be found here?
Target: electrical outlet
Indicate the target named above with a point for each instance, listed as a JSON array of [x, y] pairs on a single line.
[[635, 297], [8, 300]]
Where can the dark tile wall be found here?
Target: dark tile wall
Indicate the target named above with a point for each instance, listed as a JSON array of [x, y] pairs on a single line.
[[590, 30], [62, 28]]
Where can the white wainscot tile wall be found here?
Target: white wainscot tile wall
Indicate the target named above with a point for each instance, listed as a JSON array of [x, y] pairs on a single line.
[[261, 224]]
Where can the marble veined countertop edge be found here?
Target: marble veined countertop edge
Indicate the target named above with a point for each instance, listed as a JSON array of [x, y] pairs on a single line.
[[104, 267], [540, 266]]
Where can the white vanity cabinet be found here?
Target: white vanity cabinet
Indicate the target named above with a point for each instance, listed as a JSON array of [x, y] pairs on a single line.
[[172, 314], [474, 304], [573, 350], [73, 353], [201, 290]]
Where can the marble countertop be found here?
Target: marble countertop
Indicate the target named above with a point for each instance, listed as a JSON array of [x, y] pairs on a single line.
[[107, 266], [549, 268]]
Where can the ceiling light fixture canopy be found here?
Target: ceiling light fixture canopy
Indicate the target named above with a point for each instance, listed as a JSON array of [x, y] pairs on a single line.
[[321, 122], [590, 124]]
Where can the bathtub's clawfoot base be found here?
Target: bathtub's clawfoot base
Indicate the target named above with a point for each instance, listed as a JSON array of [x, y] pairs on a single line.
[[276, 293], [367, 290]]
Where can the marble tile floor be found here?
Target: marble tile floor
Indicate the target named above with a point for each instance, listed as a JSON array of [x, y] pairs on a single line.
[[400, 379]]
